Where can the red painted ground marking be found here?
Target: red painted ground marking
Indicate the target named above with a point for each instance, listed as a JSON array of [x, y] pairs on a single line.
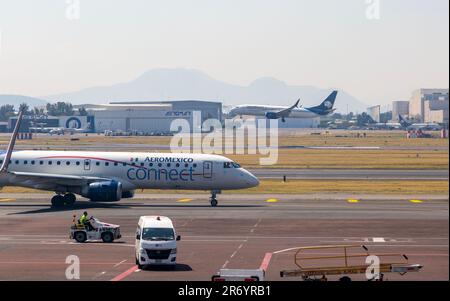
[[125, 274], [266, 261]]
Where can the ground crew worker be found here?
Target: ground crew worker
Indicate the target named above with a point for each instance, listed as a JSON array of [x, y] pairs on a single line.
[[84, 220]]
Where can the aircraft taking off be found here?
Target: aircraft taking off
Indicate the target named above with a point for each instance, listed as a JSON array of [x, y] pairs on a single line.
[[109, 177], [419, 126], [277, 112]]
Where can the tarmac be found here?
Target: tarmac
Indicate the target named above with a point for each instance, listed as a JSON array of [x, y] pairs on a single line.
[[244, 232], [351, 174]]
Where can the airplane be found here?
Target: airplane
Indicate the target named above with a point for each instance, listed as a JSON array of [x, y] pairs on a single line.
[[383, 125], [40, 128], [278, 112], [111, 176], [71, 131], [419, 126]]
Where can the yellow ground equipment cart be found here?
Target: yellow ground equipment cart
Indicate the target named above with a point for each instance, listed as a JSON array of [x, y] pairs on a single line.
[[317, 263]]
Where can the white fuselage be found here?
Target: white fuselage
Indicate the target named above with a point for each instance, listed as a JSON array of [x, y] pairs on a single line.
[[132, 170], [259, 110]]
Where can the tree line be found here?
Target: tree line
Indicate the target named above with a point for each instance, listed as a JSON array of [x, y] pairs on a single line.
[[51, 109]]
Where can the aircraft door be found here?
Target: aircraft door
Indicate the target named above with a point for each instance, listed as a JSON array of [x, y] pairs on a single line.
[[207, 169], [87, 164]]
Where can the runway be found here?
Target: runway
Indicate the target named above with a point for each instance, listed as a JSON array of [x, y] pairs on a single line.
[[239, 233], [351, 174]]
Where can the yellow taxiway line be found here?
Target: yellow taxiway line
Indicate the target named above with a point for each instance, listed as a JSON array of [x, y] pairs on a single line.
[[416, 201], [272, 201], [353, 201], [184, 200], [7, 200]]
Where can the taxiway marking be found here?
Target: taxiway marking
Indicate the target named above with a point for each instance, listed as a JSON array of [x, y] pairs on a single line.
[[272, 201], [352, 201], [378, 239], [184, 200], [7, 200], [265, 263], [117, 264], [416, 201], [125, 274]]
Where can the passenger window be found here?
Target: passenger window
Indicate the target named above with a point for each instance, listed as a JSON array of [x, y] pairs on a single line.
[[41, 162], [25, 162], [177, 165], [116, 164], [151, 164], [159, 165], [78, 163], [32, 162], [195, 165], [50, 162], [106, 163], [186, 165], [68, 163], [58, 162], [97, 163], [17, 161], [142, 164], [124, 164], [168, 164]]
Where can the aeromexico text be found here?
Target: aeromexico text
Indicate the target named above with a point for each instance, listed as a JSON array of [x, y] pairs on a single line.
[[168, 160]]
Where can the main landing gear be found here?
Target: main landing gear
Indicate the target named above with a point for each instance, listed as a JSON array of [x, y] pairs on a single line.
[[213, 198], [60, 200]]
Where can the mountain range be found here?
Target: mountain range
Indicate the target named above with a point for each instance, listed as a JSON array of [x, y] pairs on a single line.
[[17, 100], [188, 84]]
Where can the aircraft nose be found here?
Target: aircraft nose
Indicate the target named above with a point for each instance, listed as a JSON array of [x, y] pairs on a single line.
[[251, 180]]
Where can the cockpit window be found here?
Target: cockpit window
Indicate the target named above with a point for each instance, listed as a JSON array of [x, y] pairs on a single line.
[[231, 165]]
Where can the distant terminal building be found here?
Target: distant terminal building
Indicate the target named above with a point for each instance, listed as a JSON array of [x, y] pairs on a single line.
[[400, 108], [150, 117], [418, 99], [436, 111], [375, 113]]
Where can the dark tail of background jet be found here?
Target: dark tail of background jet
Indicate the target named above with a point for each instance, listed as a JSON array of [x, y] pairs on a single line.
[[326, 107], [403, 122]]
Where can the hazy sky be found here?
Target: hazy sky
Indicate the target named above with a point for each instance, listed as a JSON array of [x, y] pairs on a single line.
[[324, 43]]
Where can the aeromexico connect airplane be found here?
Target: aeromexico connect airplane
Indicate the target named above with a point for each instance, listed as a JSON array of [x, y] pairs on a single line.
[[111, 176], [277, 112]]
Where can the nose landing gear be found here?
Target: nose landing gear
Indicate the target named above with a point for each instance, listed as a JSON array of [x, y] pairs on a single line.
[[59, 200], [213, 199]]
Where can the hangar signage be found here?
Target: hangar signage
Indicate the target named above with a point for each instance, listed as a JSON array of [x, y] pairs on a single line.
[[177, 114]]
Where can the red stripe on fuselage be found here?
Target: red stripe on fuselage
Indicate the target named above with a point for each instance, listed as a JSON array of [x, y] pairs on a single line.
[[102, 159]]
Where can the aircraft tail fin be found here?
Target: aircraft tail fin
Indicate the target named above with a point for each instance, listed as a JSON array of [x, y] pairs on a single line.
[[326, 107], [403, 122], [12, 142]]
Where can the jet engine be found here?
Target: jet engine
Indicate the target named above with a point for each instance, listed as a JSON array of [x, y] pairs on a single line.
[[107, 191], [271, 115]]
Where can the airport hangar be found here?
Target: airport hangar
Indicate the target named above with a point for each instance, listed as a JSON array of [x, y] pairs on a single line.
[[156, 117], [145, 117]]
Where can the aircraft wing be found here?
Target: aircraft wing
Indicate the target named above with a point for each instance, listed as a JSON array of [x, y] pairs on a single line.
[[39, 179], [287, 112]]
